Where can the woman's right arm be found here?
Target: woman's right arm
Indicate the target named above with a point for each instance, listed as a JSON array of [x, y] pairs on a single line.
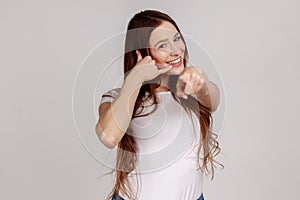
[[114, 118]]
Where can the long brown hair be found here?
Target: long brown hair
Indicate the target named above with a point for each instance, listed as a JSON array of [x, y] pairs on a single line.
[[137, 37]]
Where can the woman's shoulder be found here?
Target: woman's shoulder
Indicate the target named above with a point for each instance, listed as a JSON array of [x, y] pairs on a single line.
[[110, 95], [112, 91]]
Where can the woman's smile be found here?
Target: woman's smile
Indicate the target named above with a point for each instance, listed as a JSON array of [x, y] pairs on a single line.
[[176, 63]]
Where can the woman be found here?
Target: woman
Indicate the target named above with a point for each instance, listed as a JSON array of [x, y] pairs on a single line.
[[157, 80]]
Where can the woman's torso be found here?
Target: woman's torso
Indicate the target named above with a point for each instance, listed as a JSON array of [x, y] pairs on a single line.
[[167, 146]]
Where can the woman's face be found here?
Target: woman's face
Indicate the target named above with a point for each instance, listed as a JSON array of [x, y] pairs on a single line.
[[167, 47]]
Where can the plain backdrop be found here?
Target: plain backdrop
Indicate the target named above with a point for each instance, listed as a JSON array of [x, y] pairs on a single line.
[[255, 45]]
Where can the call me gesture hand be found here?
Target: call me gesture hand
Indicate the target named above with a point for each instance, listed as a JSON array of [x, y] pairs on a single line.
[[146, 68]]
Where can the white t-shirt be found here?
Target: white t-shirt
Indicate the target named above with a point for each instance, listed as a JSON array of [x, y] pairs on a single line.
[[167, 143]]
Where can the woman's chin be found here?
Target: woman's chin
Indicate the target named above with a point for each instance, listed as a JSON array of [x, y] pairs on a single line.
[[176, 70]]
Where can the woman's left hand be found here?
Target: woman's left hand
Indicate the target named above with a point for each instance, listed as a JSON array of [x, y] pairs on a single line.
[[192, 81]]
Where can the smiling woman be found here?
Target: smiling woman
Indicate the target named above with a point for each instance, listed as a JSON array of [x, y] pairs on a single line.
[[168, 51], [160, 119]]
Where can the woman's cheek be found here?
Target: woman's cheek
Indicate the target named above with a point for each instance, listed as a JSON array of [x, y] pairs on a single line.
[[160, 57]]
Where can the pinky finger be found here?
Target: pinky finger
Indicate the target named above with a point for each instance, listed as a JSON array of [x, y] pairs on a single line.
[[164, 70]]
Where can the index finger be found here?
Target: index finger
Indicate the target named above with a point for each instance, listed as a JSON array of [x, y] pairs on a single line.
[[139, 55], [184, 78]]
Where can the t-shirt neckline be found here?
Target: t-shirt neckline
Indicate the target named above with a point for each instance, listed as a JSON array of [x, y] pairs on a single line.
[[164, 92]]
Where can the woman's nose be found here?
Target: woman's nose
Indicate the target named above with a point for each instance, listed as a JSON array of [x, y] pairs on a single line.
[[174, 49]]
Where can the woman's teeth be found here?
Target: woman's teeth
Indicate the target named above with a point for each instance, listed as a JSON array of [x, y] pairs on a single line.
[[175, 61]]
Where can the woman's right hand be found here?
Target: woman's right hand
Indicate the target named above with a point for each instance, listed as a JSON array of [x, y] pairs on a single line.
[[146, 69]]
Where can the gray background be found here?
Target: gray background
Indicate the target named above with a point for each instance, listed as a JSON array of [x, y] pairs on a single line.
[[255, 45]]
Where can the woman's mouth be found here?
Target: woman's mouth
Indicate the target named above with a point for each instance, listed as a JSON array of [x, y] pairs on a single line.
[[175, 63]]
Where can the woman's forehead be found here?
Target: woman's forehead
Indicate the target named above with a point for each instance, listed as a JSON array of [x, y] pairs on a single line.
[[163, 31]]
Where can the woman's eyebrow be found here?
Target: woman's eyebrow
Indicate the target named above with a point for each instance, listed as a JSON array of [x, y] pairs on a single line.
[[166, 39], [160, 41]]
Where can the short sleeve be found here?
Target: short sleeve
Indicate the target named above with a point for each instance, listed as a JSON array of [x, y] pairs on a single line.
[[110, 95]]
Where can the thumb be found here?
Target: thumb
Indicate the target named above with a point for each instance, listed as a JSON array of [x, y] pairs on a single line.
[[139, 56]]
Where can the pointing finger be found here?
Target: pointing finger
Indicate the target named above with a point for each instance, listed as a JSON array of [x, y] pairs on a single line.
[[190, 86], [188, 89], [184, 78]]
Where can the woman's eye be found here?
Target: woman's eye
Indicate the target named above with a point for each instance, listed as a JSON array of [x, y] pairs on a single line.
[[162, 46], [177, 38]]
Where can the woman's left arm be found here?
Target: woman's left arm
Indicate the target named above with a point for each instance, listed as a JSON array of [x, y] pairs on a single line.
[[195, 82], [210, 97]]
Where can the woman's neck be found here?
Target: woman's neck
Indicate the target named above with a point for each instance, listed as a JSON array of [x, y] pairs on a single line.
[[163, 84]]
